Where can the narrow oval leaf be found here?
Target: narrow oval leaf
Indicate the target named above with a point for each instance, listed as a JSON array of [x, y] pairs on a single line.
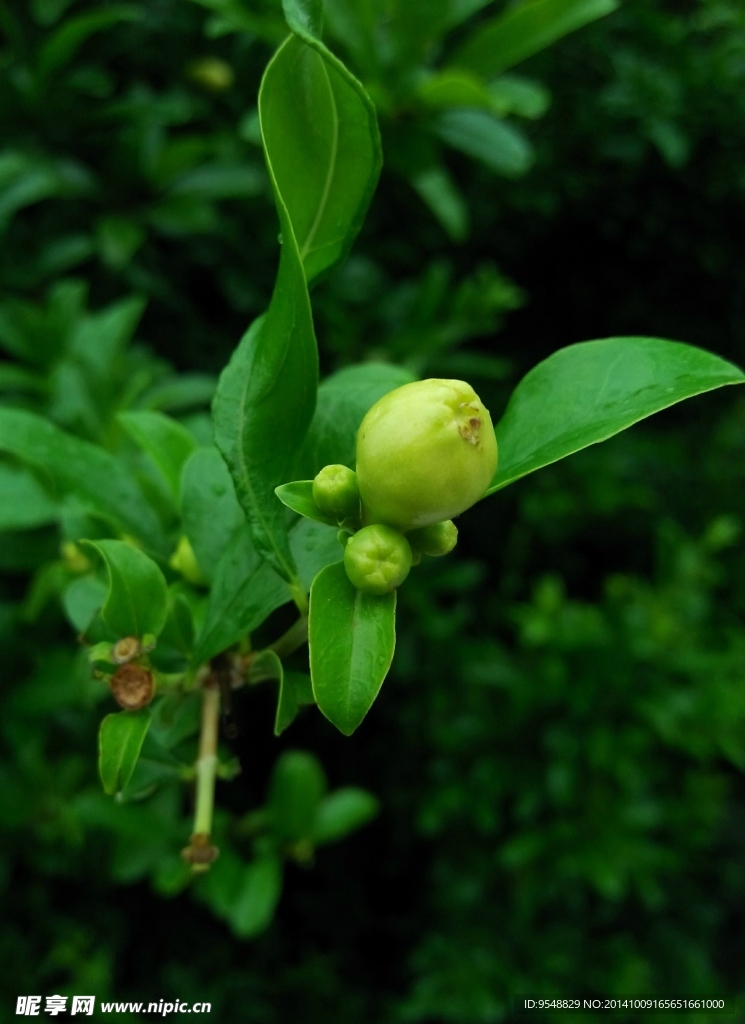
[[296, 789], [477, 133], [264, 404], [586, 393], [298, 496], [342, 812], [313, 116], [254, 900], [167, 442], [120, 740], [523, 30], [210, 510], [351, 637], [316, 115], [137, 601], [81, 469]]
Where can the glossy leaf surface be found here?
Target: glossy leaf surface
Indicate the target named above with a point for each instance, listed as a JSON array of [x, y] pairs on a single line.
[[298, 496], [588, 392], [120, 740], [210, 510], [137, 601], [351, 636], [313, 115]]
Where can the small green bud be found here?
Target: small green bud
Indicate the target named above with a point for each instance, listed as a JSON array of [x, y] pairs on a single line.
[[435, 539], [377, 559], [184, 560], [336, 493], [425, 453]]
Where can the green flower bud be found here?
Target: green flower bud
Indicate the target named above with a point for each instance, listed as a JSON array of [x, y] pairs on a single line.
[[435, 539], [377, 559], [336, 493], [425, 453], [184, 560]]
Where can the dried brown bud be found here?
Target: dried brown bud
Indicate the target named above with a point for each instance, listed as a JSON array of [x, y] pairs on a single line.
[[132, 687], [126, 649], [200, 852]]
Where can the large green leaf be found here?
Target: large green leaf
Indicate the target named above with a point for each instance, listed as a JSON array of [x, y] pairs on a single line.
[[588, 392], [351, 637], [24, 504], [245, 590], [120, 740], [315, 117], [167, 442], [343, 400], [82, 469], [210, 510], [137, 602], [524, 29]]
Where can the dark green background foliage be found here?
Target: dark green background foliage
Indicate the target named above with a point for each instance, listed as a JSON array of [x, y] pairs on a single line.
[[559, 749]]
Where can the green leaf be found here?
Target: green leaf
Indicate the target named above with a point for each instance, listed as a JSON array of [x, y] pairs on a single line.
[[304, 16], [265, 402], [314, 546], [316, 115], [295, 691], [342, 812], [82, 600], [180, 393], [586, 393], [210, 509], [24, 503], [61, 45], [16, 378], [454, 88], [120, 740], [167, 442], [313, 115], [343, 400], [298, 496], [477, 133], [351, 637], [255, 898], [296, 788], [438, 190], [525, 29], [245, 590], [82, 469], [137, 602]]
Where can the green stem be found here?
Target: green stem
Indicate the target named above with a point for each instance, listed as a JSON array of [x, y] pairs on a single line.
[[206, 765]]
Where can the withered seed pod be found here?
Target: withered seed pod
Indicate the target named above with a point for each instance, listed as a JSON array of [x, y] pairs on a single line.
[[132, 687]]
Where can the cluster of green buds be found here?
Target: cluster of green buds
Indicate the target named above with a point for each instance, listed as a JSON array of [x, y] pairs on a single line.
[[425, 453]]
